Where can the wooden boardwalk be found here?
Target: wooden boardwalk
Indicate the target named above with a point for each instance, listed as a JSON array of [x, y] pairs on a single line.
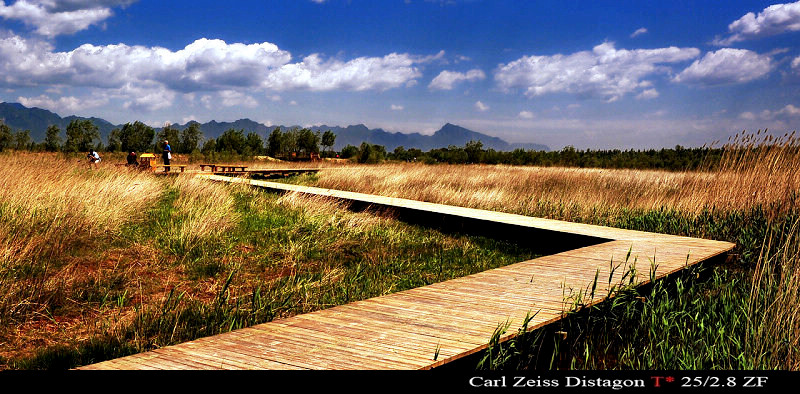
[[429, 326]]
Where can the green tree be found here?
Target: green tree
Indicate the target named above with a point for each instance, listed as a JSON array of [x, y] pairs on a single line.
[[349, 151], [232, 141], [6, 138], [474, 151], [400, 153], [328, 140], [209, 147], [168, 133], [371, 154], [82, 135], [114, 143], [22, 140], [52, 139], [136, 137], [254, 145], [190, 138], [275, 143], [290, 139], [308, 141]]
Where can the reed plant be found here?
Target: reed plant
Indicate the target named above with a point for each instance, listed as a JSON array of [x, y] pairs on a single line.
[[756, 170], [52, 207], [195, 258]]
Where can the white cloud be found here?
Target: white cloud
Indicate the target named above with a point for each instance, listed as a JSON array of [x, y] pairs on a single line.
[[639, 32], [144, 98], [397, 107], [62, 104], [789, 111], [274, 98], [207, 101], [773, 20], [293, 102], [526, 114], [205, 65], [647, 94], [604, 72], [725, 66], [481, 106], [363, 73], [747, 115], [796, 64], [232, 98], [51, 18], [439, 56], [202, 65], [446, 79]]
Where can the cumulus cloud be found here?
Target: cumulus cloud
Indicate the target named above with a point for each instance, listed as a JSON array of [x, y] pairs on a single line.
[[144, 98], [726, 66], [773, 20], [604, 72], [397, 107], [639, 32], [789, 111], [446, 79], [232, 98], [203, 66], [363, 73], [481, 106], [51, 18], [64, 103], [796, 64], [747, 115], [647, 94], [526, 114]]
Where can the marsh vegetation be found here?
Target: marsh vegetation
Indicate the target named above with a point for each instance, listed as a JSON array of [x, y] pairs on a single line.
[[101, 264]]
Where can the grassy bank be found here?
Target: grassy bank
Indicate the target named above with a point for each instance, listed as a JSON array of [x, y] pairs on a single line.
[[177, 258], [192, 258], [736, 316]]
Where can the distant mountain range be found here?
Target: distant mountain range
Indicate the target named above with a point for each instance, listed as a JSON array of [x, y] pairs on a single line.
[[19, 117]]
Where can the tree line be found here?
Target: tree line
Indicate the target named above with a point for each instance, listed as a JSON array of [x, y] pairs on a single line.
[[298, 143], [82, 135], [678, 158]]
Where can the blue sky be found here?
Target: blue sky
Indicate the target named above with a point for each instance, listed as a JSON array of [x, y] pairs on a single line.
[[592, 74]]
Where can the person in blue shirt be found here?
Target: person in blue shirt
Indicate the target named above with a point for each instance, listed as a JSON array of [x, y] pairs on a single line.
[[166, 155]]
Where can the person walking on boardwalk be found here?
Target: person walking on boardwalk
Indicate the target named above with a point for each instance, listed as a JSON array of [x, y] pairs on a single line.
[[166, 155], [93, 157]]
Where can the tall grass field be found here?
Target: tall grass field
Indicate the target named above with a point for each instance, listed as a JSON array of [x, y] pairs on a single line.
[[98, 264]]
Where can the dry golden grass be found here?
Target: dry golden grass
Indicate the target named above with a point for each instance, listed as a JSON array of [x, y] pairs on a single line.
[[48, 202], [755, 172], [51, 207], [772, 305], [206, 211]]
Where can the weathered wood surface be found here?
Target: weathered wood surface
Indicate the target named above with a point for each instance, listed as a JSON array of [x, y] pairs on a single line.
[[404, 330]]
